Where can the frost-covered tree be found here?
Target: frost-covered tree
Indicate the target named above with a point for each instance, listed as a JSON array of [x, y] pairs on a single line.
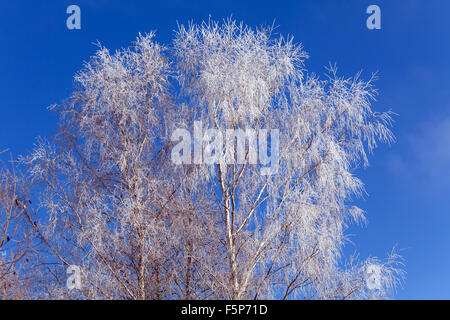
[[16, 237], [143, 227]]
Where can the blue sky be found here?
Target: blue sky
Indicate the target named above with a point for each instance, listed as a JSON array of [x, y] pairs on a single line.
[[408, 202]]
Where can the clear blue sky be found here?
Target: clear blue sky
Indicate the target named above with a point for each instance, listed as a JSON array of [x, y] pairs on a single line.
[[408, 184]]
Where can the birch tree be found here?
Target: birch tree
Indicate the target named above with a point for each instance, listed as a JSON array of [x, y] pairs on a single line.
[[16, 238], [141, 226]]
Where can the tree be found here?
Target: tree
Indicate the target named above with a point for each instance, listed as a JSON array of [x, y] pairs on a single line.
[[16, 238], [143, 226]]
